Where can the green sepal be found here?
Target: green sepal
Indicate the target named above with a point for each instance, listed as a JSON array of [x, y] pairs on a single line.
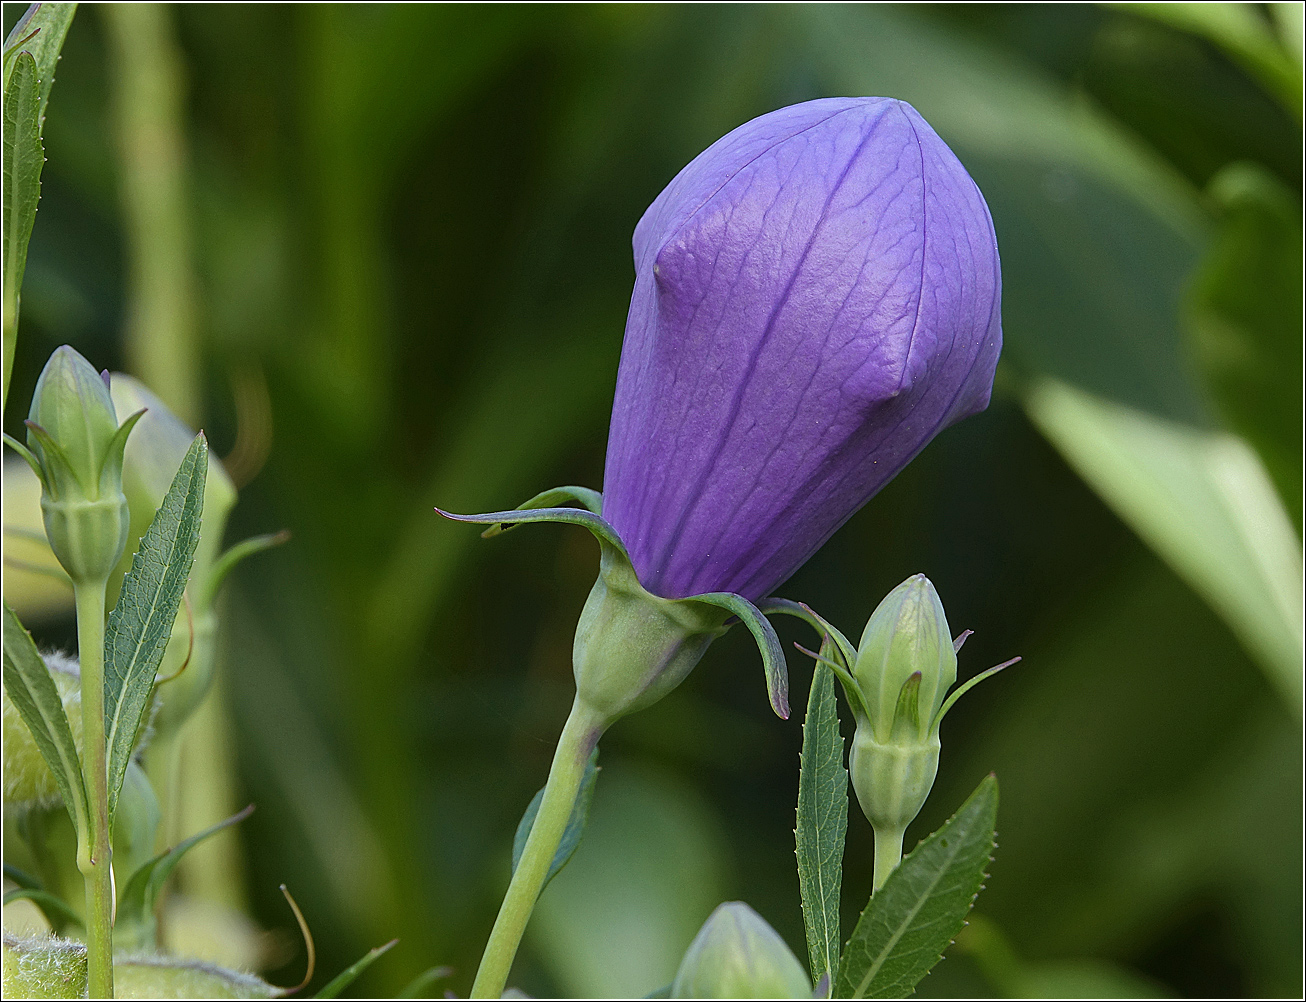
[[801, 610], [28, 455], [31, 689], [54, 462], [907, 712], [135, 921], [965, 687], [571, 835], [111, 471], [845, 653], [232, 556], [502, 521], [345, 978], [768, 644]]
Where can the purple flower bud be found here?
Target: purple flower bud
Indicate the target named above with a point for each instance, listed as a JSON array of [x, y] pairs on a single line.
[[817, 295]]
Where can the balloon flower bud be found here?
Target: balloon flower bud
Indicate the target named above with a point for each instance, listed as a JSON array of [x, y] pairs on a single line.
[[817, 295], [76, 447], [737, 955], [898, 688]]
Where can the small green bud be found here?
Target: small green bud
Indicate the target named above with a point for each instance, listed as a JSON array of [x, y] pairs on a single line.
[[905, 661], [27, 779], [905, 666], [737, 955], [77, 444]]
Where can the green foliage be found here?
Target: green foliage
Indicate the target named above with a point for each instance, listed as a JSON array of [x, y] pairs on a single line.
[[822, 823], [40, 32], [23, 160], [416, 234], [575, 829], [345, 978], [1204, 502], [138, 901], [57, 911], [141, 622], [912, 919], [29, 685]]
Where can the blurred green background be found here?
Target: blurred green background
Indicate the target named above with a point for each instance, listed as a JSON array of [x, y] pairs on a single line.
[[382, 255]]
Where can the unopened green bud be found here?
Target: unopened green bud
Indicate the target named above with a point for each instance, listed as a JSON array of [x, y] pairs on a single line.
[[905, 666], [77, 444], [737, 955], [27, 778], [905, 661]]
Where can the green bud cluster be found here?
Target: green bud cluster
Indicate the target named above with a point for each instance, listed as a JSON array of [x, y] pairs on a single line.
[[737, 955], [76, 448]]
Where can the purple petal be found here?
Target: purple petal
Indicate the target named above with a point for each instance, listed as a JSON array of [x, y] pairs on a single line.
[[816, 296]]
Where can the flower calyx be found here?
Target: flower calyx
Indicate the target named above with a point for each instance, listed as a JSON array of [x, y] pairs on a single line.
[[632, 647]]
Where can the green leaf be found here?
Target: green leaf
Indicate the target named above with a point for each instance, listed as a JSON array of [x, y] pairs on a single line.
[[1203, 501], [571, 836], [136, 903], [822, 822], [1244, 314], [1244, 33], [911, 920], [55, 908], [43, 29], [346, 977], [420, 986], [32, 690], [23, 158], [141, 622]]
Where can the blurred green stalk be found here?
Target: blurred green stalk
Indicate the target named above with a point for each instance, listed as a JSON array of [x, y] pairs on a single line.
[[160, 336]]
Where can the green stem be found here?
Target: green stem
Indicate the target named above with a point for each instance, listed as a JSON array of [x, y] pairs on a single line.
[[96, 860], [888, 853], [579, 736]]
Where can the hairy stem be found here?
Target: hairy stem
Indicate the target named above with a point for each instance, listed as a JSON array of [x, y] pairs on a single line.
[[579, 736], [96, 860]]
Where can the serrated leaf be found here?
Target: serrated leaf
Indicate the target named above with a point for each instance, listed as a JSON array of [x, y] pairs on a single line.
[[822, 822], [345, 978], [910, 921], [137, 901], [23, 158], [40, 33], [571, 835], [32, 690], [141, 622]]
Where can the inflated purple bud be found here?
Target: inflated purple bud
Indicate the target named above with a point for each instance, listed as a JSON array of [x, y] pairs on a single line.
[[817, 295]]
